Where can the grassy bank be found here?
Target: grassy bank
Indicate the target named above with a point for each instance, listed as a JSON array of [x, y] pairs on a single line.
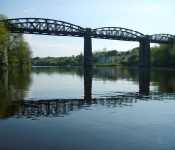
[[107, 64]]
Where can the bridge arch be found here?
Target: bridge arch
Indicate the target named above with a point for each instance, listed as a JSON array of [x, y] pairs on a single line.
[[43, 26], [162, 38], [117, 33]]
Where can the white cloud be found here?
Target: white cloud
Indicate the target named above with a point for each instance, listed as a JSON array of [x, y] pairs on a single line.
[[29, 9]]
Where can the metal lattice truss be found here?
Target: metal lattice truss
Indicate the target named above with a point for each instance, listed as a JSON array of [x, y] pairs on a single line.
[[162, 38], [43, 26], [116, 33], [61, 28]]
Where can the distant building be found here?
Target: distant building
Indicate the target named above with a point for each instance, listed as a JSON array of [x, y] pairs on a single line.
[[117, 58], [102, 59], [113, 58]]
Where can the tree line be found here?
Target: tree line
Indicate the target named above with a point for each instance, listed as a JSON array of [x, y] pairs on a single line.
[[58, 61], [162, 55], [14, 46], [75, 60]]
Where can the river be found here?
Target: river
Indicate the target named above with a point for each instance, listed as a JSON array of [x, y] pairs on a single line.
[[99, 108]]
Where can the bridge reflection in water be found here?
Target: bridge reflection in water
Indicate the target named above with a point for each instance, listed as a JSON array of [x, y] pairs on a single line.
[[64, 107], [144, 82], [61, 108]]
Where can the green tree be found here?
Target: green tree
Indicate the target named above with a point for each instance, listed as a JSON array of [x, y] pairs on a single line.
[[111, 53], [163, 55], [18, 50], [134, 57], [3, 36], [79, 58]]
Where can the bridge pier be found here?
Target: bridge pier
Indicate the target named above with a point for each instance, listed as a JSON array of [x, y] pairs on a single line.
[[87, 48], [144, 52]]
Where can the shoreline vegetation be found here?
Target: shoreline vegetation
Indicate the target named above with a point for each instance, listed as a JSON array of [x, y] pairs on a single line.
[[107, 64], [162, 55], [15, 51]]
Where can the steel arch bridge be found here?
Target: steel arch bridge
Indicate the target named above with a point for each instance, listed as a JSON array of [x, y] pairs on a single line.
[[60, 28]]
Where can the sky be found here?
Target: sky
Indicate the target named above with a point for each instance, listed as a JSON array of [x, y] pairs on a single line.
[[145, 16]]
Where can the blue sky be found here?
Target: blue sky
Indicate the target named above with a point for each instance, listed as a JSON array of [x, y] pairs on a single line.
[[145, 16]]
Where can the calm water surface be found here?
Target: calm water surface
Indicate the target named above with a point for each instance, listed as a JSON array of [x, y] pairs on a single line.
[[111, 108]]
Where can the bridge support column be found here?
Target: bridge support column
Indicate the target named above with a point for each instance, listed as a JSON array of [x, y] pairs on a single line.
[[87, 48], [144, 53]]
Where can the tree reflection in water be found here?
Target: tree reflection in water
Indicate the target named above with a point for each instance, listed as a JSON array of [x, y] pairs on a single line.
[[13, 86]]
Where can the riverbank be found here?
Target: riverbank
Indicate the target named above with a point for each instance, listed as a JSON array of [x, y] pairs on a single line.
[[107, 64]]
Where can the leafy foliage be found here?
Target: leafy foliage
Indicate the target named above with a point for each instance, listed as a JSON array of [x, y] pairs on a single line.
[[58, 61], [134, 57], [163, 55], [18, 50]]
